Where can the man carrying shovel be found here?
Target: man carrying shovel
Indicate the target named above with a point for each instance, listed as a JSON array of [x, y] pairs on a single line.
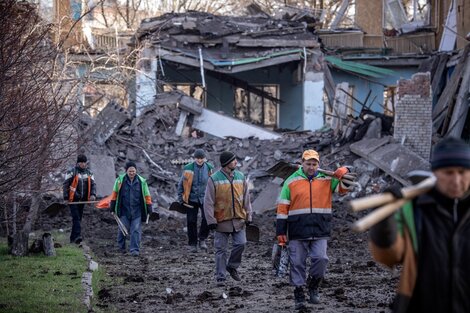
[[430, 235], [304, 216], [191, 190], [79, 186], [132, 204]]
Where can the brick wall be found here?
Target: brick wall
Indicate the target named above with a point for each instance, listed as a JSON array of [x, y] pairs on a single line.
[[413, 114]]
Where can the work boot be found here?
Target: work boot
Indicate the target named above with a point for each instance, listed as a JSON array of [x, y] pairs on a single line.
[[202, 245], [299, 298], [193, 249], [233, 272], [313, 285]]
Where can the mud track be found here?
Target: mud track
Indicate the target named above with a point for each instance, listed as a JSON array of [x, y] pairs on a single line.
[[167, 278]]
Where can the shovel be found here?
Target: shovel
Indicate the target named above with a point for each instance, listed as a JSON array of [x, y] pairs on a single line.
[[181, 208], [252, 233], [54, 208]]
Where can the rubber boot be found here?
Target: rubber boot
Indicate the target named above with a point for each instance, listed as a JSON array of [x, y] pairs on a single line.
[[299, 298], [313, 286]]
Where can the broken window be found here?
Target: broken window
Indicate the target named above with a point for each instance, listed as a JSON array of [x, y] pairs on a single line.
[[193, 90], [406, 16], [256, 109]]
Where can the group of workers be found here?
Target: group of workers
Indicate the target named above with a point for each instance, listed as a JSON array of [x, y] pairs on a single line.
[[428, 235]]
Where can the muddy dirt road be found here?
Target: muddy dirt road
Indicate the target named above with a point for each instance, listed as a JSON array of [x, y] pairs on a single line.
[[167, 278]]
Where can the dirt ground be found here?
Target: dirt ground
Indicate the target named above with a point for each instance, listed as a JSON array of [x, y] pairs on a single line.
[[167, 278]]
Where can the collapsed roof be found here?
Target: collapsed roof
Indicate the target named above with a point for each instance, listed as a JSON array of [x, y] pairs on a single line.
[[227, 44]]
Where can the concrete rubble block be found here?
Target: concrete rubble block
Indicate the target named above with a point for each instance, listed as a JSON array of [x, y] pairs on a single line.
[[108, 121], [222, 126], [191, 105], [102, 167], [363, 166], [391, 157], [267, 198]]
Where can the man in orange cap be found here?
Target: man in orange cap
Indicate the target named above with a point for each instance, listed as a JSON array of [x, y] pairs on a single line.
[[304, 217]]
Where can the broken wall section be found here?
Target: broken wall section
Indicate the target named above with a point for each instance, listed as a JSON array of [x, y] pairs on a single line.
[[413, 114]]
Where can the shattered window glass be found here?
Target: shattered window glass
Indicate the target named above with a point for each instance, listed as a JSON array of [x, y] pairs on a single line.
[[406, 16], [256, 109]]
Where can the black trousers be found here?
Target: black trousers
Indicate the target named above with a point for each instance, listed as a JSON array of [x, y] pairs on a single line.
[[76, 211], [191, 218]]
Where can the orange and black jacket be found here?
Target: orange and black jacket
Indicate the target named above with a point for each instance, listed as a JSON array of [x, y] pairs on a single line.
[[304, 207], [79, 185], [430, 237]]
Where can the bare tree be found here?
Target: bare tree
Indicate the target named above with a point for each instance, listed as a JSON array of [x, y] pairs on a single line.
[[35, 112]]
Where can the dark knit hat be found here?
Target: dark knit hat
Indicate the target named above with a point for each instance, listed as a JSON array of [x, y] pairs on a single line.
[[199, 154], [226, 157], [450, 152], [130, 164], [81, 158]]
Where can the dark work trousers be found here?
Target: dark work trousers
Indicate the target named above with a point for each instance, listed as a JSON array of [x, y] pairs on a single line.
[[76, 211], [191, 217]]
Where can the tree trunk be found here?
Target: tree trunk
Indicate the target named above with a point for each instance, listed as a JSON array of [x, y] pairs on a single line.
[[35, 201], [18, 244], [48, 244]]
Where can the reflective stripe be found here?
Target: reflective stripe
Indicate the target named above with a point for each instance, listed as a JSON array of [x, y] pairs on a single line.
[[294, 179], [281, 216], [308, 211], [221, 182], [284, 201]]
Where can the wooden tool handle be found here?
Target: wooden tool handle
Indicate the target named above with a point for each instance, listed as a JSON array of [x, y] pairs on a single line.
[[84, 202], [383, 198], [378, 215], [331, 173]]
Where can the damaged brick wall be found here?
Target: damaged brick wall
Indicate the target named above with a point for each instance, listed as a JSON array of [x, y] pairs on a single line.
[[413, 114]]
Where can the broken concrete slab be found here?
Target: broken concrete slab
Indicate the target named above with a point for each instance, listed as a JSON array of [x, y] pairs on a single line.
[[223, 126], [103, 169], [108, 121], [267, 198], [391, 157]]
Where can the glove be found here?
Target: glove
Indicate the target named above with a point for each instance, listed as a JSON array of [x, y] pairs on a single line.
[[340, 172], [282, 240], [395, 190], [92, 198], [212, 226]]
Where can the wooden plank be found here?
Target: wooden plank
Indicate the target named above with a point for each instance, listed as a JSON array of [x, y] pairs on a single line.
[[460, 110], [277, 43], [446, 97]]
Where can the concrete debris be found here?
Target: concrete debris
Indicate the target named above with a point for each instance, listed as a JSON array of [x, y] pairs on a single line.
[[160, 154], [391, 157]]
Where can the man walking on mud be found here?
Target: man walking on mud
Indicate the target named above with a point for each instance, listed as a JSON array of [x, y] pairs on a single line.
[[191, 190], [304, 218], [131, 202], [227, 208], [79, 185], [430, 235]]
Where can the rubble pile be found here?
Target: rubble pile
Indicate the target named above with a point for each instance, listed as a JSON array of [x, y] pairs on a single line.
[[151, 142]]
